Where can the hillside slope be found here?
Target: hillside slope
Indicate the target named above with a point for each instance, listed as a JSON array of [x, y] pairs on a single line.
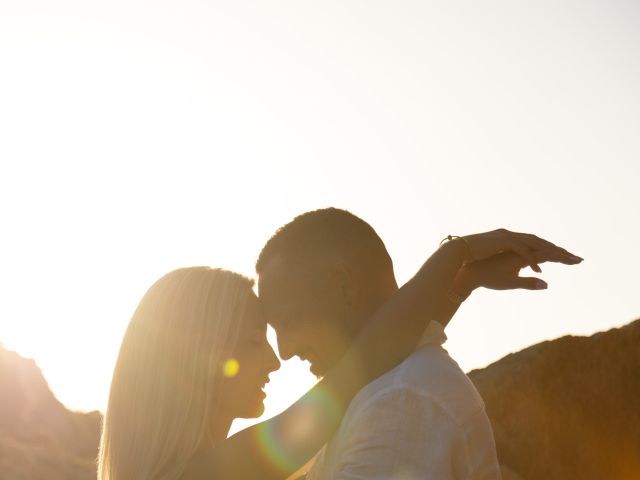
[[39, 437], [568, 408]]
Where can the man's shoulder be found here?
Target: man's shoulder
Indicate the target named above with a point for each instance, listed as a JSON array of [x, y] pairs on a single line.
[[425, 415], [431, 376]]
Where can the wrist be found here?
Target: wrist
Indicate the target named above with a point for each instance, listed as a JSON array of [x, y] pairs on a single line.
[[463, 284], [456, 248]]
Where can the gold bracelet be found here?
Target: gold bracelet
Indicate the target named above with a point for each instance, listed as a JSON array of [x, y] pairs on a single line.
[[451, 237]]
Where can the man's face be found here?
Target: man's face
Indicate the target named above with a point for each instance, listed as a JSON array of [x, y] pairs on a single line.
[[308, 314]]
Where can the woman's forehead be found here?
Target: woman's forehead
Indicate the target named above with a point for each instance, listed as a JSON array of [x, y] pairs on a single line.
[[253, 315]]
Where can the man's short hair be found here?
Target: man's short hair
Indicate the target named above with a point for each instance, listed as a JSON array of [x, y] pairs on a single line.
[[330, 231]]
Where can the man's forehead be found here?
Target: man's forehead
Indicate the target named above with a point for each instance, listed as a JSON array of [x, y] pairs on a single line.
[[273, 276], [284, 285], [288, 271]]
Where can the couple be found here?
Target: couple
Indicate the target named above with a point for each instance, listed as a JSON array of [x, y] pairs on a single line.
[[391, 403]]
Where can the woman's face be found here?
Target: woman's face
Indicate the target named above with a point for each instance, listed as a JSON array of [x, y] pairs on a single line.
[[247, 368]]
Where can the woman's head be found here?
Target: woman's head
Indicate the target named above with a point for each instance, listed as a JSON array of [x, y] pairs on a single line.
[[194, 355]]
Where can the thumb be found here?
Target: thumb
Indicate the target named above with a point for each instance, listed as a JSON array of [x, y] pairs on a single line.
[[529, 283]]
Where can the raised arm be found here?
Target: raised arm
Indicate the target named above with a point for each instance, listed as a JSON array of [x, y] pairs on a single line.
[[276, 448]]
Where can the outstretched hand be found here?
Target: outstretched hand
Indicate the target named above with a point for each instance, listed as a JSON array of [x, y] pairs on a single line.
[[532, 249], [497, 258]]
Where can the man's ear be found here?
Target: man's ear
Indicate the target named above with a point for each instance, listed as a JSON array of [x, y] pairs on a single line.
[[347, 287]]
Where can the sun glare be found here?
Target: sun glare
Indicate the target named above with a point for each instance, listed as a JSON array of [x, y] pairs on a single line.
[[231, 368]]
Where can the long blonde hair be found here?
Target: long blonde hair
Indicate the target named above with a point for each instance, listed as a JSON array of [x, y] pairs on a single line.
[[164, 387]]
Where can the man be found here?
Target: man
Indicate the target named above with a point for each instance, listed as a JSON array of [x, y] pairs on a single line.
[[320, 279]]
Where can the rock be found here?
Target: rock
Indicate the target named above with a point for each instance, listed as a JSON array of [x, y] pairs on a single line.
[[39, 437], [568, 408]]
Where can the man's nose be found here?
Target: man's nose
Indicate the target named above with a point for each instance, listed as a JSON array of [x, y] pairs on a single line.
[[273, 363], [286, 347]]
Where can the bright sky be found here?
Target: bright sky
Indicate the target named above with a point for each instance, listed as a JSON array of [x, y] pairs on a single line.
[[138, 137]]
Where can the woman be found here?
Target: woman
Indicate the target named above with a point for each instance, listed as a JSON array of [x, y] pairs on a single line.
[[195, 356]]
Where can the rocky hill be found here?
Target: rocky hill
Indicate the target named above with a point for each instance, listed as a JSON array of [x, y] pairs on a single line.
[[39, 438], [567, 409]]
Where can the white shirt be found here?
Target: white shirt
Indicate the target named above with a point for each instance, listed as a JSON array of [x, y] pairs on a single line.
[[422, 420]]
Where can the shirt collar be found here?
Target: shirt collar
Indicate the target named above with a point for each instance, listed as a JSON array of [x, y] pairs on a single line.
[[433, 335]]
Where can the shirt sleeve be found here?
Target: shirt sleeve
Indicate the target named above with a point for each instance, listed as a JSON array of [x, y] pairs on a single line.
[[399, 434]]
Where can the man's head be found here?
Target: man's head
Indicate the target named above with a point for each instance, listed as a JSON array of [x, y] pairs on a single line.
[[320, 278]]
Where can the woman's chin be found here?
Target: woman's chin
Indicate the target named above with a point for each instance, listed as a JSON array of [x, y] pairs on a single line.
[[259, 411], [254, 411]]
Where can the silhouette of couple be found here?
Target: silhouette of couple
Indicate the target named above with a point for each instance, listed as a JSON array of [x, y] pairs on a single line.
[[391, 403]]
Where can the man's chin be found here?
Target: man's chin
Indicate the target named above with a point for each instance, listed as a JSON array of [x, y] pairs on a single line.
[[317, 370]]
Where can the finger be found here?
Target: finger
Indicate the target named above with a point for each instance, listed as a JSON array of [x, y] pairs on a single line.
[[529, 283], [534, 266], [560, 252], [536, 243], [558, 256], [574, 257], [527, 255]]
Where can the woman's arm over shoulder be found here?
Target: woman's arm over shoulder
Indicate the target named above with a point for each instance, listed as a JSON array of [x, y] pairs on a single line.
[[278, 447]]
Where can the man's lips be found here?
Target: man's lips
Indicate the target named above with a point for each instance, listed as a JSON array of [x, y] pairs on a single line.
[[307, 358]]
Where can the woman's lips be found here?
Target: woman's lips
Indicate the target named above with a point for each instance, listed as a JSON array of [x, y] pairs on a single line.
[[262, 386]]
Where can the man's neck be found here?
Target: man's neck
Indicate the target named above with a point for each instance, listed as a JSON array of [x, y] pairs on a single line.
[[374, 303]]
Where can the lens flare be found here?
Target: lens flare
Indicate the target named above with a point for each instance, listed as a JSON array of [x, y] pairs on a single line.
[[320, 407], [231, 368]]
